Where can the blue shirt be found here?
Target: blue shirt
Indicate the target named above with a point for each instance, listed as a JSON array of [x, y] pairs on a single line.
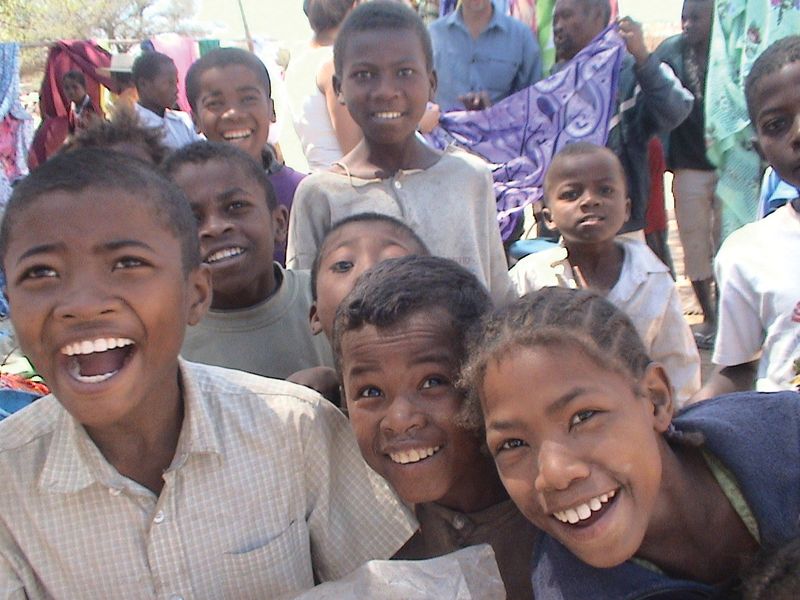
[[504, 59]]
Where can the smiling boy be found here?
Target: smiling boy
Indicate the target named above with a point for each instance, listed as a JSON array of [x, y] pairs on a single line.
[[143, 472]]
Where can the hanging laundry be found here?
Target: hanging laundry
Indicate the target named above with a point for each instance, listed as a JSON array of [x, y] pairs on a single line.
[[16, 125]]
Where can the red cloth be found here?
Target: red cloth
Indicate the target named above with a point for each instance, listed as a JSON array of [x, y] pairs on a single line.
[[183, 51], [656, 215], [65, 55]]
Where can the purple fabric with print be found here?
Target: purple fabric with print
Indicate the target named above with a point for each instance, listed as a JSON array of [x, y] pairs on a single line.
[[520, 134]]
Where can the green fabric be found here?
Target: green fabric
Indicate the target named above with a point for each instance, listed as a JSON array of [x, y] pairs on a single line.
[[741, 30], [730, 488], [207, 46]]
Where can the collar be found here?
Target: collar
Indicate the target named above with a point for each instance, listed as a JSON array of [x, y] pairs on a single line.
[[455, 18], [74, 462], [638, 264]]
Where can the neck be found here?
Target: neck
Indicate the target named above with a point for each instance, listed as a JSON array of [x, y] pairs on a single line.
[[477, 19], [325, 38], [156, 108], [484, 488], [260, 289], [370, 160], [599, 263]]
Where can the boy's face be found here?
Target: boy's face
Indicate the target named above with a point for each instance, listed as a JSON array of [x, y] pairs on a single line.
[[696, 20], [351, 250], [402, 404], [574, 26], [234, 107], [162, 90], [237, 231], [385, 83], [577, 449], [73, 90], [777, 122], [586, 198], [100, 301]]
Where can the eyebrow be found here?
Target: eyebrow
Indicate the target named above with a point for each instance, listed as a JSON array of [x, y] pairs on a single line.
[[41, 249], [230, 193], [562, 402], [60, 247]]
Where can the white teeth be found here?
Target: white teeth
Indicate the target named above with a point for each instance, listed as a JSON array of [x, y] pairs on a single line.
[[414, 455], [585, 510], [98, 345], [222, 254], [388, 115], [237, 135]]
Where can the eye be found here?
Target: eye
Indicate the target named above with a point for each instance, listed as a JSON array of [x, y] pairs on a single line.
[[773, 126], [341, 266], [38, 272], [511, 444], [433, 381], [250, 99], [213, 105], [129, 262], [580, 417], [606, 190], [570, 194], [405, 72], [369, 392], [362, 75], [237, 205]]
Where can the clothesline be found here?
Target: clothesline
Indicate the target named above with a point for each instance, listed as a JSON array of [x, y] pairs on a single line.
[[45, 44]]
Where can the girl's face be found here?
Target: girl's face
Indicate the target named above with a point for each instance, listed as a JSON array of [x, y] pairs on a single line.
[[578, 450], [385, 83], [74, 91]]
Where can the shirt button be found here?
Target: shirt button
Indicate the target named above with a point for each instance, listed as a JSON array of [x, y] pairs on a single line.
[[114, 491], [459, 522], [398, 185], [159, 518]]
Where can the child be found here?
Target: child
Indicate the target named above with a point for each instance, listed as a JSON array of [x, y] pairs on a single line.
[[123, 133], [383, 62], [229, 91], [352, 246], [82, 112], [399, 342], [634, 503], [156, 79], [143, 472], [258, 320], [758, 336], [585, 198]]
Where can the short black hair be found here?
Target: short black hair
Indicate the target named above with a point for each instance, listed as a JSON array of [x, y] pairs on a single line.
[[220, 58], [779, 54], [395, 289], [77, 170], [148, 65], [366, 217], [604, 6], [381, 15], [204, 151], [324, 15], [76, 76], [581, 149]]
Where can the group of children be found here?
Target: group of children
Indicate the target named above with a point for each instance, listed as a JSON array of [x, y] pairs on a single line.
[[545, 425]]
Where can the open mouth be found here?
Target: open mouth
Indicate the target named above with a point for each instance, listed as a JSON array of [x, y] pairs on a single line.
[[587, 513], [591, 220], [224, 254], [238, 134], [95, 361], [413, 456], [387, 116]]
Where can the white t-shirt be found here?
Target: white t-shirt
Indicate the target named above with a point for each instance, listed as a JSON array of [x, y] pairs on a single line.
[[177, 126], [758, 275]]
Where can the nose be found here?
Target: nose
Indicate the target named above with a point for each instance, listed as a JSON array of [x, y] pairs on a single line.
[[385, 87], [86, 299], [402, 417], [558, 467], [589, 198], [214, 226]]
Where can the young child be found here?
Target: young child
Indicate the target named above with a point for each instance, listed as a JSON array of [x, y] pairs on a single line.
[[82, 112], [230, 93], [634, 503], [758, 335], [585, 198], [352, 246], [384, 75], [156, 80], [143, 472], [123, 133], [258, 320], [399, 339]]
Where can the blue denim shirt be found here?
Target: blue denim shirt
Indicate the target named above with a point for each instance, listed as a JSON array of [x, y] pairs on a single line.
[[504, 59]]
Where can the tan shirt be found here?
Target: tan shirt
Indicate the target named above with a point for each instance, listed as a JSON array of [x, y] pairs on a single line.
[[267, 490]]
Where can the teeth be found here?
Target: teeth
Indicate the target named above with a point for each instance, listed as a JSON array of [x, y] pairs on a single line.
[[414, 455], [75, 372], [222, 254], [237, 135], [388, 115], [98, 345], [585, 510]]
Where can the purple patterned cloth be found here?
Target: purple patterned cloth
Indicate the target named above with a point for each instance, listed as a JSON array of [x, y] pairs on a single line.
[[520, 134]]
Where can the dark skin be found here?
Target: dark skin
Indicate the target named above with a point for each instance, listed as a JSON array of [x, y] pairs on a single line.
[[693, 521]]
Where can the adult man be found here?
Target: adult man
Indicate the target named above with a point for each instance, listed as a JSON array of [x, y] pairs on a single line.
[[650, 99], [156, 79], [481, 56], [696, 206]]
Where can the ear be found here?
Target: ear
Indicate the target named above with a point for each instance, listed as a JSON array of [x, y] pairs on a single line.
[[656, 386], [627, 209], [313, 319], [280, 223], [274, 117], [337, 88], [548, 219], [433, 79], [198, 284]]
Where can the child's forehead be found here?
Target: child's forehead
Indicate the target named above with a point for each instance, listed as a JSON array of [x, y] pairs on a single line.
[[433, 323], [231, 76], [767, 89], [365, 233], [605, 165], [370, 47]]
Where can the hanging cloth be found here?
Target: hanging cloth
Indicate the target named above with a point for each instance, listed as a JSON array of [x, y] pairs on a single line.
[[16, 125]]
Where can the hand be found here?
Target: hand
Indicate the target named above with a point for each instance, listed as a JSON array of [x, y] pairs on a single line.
[[475, 100], [430, 119], [631, 32], [322, 379]]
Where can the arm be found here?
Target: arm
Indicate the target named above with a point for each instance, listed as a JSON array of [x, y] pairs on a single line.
[[348, 134], [724, 380]]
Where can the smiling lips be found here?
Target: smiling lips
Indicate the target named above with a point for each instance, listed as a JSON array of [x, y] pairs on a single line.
[[387, 116], [584, 511], [95, 361], [414, 455], [219, 255], [237, 134]]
